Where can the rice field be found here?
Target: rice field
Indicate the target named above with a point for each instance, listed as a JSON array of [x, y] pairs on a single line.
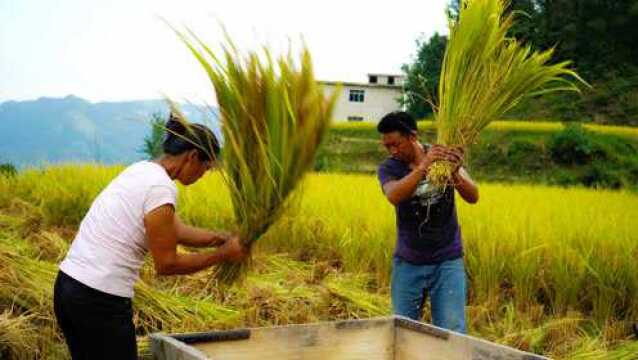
[[552, 270], [517, 125]]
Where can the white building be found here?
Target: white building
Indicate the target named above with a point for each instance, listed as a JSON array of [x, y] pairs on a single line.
[[366, 101]]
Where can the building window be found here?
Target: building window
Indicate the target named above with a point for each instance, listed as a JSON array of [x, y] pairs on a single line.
[[355, 118], [356, 95], [373, 79], [390, 80]]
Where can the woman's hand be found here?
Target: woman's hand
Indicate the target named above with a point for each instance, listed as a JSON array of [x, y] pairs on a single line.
[[218, 238], [233, 250]]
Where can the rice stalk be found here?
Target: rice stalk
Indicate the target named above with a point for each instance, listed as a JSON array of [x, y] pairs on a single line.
[[485, 73], [274, 116]]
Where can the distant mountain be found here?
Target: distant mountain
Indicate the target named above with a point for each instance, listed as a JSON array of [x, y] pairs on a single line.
[[71, 129]]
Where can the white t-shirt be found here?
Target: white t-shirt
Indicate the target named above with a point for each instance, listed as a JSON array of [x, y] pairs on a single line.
[[110, 246]]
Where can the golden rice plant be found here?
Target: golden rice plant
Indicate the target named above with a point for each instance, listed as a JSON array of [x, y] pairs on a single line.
[[485, 73], [274, 115]]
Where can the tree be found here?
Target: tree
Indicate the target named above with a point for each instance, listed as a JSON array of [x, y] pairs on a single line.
[[153, 142], [422, 76]]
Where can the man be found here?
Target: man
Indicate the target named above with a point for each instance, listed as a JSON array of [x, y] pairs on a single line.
[[428, 260]]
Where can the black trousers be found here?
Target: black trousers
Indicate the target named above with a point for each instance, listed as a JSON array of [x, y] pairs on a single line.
[[96, 325]]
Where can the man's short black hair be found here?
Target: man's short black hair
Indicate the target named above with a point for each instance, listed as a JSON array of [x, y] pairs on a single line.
[[399, 121]]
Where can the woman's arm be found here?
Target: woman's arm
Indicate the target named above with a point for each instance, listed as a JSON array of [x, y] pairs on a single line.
[[162, 238], [195, 237]]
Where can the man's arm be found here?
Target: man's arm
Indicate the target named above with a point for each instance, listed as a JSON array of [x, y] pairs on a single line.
[[195, 237], [161, 233], [399, 190], [465, 186]]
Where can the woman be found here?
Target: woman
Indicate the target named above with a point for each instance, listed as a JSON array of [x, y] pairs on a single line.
[[133, 215]]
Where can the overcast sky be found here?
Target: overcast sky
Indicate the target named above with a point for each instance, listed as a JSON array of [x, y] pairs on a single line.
[[120, 50]]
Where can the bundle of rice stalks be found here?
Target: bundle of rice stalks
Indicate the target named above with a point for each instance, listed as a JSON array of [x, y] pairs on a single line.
[[356, 300], [485, 73], [20, 217], [50, 246], [278, 291], [18, 337], [173, 312], [24, 281], [28, 283], [274, 116]]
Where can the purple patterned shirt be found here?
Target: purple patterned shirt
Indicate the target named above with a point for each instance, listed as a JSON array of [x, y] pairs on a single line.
[[428, 231]]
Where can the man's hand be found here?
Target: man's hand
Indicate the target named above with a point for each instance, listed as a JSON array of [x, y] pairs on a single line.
[[455, 155], [233, 250], [435, 153]]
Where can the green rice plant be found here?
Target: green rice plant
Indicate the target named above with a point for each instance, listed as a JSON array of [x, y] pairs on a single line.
[[6, 185], [485, 73], [524, 277], [64, 199], [274, 116], [567, 280], [345, 221]]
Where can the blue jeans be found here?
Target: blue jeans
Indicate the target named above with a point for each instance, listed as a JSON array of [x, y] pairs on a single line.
[[445, 284]]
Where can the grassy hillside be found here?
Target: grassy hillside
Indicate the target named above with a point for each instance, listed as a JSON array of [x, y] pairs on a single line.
[[513, 151]]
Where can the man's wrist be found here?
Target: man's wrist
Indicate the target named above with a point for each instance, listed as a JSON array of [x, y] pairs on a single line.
[[457, 179], [422, 171]]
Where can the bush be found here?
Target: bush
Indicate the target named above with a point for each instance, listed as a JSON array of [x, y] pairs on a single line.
[[524, 154], [8, 169], [572, 145], [564, 178], [321, 162], [600, 175], [488, 155]]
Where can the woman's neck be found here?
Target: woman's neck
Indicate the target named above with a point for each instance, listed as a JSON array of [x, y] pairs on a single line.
[[170, 164]]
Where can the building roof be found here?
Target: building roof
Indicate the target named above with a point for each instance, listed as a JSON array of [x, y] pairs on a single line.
[[380, 74], [356, 84]]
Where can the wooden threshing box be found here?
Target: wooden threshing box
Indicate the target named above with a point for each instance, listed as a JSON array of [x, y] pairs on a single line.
[[395, 338]]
